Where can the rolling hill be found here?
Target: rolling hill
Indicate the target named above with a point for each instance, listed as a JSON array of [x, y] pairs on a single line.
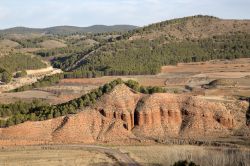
[[145, 50], [68, 29]]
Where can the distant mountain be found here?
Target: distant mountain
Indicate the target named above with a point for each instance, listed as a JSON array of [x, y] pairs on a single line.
[[69, 29]]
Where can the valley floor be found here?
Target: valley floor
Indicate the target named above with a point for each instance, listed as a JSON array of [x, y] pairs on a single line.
[[175, 79]]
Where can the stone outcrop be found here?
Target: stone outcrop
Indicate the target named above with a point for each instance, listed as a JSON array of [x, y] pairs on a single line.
[[125, 116], [169, 115], [120, 104]]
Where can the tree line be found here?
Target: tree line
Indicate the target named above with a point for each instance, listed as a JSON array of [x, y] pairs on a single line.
[[20, 112]]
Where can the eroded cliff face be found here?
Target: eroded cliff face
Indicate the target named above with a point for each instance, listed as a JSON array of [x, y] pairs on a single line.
[[88, 126], [126, 116], [168, 115], [120, 104]]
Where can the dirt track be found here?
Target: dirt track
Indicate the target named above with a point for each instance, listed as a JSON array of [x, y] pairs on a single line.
[[122, 158], [32, 76], [116, 155]]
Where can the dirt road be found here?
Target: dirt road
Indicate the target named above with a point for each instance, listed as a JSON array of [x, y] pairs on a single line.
[[122, 158]]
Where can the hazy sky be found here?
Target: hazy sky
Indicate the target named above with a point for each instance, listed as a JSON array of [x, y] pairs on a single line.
[[45, 13]]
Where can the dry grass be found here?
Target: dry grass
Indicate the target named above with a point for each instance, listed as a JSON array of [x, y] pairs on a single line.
[[37, 156], [52, 44], [204, 156], [8, 43]]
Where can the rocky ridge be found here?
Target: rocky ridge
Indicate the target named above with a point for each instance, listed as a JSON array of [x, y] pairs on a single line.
[[125, 116]]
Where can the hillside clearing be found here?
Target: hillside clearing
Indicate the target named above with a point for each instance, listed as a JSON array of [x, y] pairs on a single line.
[[49, 44]]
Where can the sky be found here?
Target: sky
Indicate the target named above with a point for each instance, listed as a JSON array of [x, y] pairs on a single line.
[[47, 13]]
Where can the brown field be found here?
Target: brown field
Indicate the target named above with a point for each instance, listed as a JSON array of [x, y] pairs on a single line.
[[175, 78], [214, 69], [145, 80], [215, 66]]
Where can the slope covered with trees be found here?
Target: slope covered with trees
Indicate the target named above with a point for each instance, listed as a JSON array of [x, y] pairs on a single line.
[[145, 50], [17, 62]]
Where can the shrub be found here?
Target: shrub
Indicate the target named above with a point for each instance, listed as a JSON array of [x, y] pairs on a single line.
[[184, 163], [5, 76], [21, 74]]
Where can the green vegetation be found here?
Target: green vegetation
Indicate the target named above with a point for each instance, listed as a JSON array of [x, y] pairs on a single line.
[[155, 46], [5, 76], [20, 112], [21, 74], [46, 81], [28, 43], [65, 62], [147, 57], [184, 163], [158, 27], [140, 51], [59, 51], [146, 90], [19, 62]]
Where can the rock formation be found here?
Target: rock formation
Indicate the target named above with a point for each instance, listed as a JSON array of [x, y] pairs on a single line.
[[124, 116]]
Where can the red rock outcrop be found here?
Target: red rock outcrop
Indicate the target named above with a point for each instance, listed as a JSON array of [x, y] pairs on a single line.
[[169, 115], [87, 126], [124, 115], [120, 104]]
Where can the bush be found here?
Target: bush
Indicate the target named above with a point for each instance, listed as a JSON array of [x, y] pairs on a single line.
[[146, 90], [21, 74], [5, 77], [184, 163], [248, 113]]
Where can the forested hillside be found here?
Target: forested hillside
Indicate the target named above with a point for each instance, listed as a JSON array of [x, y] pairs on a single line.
[[145, 50], [18, 62]]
